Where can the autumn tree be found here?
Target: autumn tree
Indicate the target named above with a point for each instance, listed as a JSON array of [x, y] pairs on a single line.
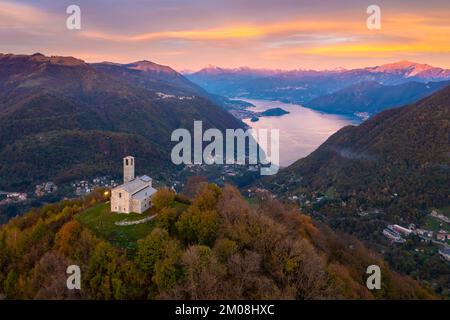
[[196, 226], [164, 198], [194, 186], [224, 248], [200, 223], [306, 272], [151, 249], [168, 270], [167, 218], [75, 242], [247, 280], [111, 276], [202, 273], [48, 278]]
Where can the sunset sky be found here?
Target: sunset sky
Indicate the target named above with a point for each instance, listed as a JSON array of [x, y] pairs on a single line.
[[191, 34]]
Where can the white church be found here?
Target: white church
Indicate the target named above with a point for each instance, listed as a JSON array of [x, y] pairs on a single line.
[[135, 194]]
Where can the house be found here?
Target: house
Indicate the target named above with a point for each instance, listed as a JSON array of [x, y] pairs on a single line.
[[400, 229], [45, 188], [445, 253], [439, 216], [135, 194], [393, 235], [441, 235], [424, 233]]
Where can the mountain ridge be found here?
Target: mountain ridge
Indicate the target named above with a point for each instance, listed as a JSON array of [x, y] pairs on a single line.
[[302, 86], [402, 151], [402, 65], [64, 100], [372, 97], [394, 168]]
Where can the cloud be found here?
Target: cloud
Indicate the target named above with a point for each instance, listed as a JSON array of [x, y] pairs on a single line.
[[425, 35], [255, 33], [24, 26], [26, 17], [212, 34], [233, 32]]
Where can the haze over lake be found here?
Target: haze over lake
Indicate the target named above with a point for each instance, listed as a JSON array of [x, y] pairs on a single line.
[[301, 131]]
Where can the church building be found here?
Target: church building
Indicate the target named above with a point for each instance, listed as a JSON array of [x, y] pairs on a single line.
[[135, 194]]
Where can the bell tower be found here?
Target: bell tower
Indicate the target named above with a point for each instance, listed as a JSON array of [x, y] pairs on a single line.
[[128, 169]]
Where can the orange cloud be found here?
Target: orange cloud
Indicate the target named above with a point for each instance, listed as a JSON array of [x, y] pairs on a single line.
[[425, 35], [378, 49], [283, 43], [232, 32], [214, 34]]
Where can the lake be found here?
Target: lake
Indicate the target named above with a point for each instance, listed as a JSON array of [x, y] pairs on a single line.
[[301, 131]]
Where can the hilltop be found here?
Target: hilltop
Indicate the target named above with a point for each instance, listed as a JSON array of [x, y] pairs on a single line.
[[214, 246]]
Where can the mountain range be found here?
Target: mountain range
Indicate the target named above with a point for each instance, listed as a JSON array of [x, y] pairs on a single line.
[[372, 97], [62, 118], [304, 86]]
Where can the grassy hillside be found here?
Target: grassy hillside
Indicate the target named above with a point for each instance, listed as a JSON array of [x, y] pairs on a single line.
[[101, 221]]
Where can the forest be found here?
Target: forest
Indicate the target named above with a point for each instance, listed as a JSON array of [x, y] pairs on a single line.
[[208, 243]]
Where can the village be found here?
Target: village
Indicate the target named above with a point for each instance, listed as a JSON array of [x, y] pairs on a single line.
[[83, 187], [434, 232], [12, 197], [397, 234], [51, 189]]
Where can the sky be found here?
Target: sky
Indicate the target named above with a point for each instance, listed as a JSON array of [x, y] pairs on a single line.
[[192, 34]]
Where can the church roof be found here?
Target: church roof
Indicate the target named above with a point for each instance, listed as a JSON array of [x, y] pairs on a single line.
[[145, 178], [144, 193], [135, 185]]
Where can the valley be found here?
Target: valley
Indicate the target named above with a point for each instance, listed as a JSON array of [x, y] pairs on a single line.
[[65, 123], [247, 151], [391, 169], [301, 131]]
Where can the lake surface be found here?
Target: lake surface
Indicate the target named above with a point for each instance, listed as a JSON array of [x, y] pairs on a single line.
[[301, 131]]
